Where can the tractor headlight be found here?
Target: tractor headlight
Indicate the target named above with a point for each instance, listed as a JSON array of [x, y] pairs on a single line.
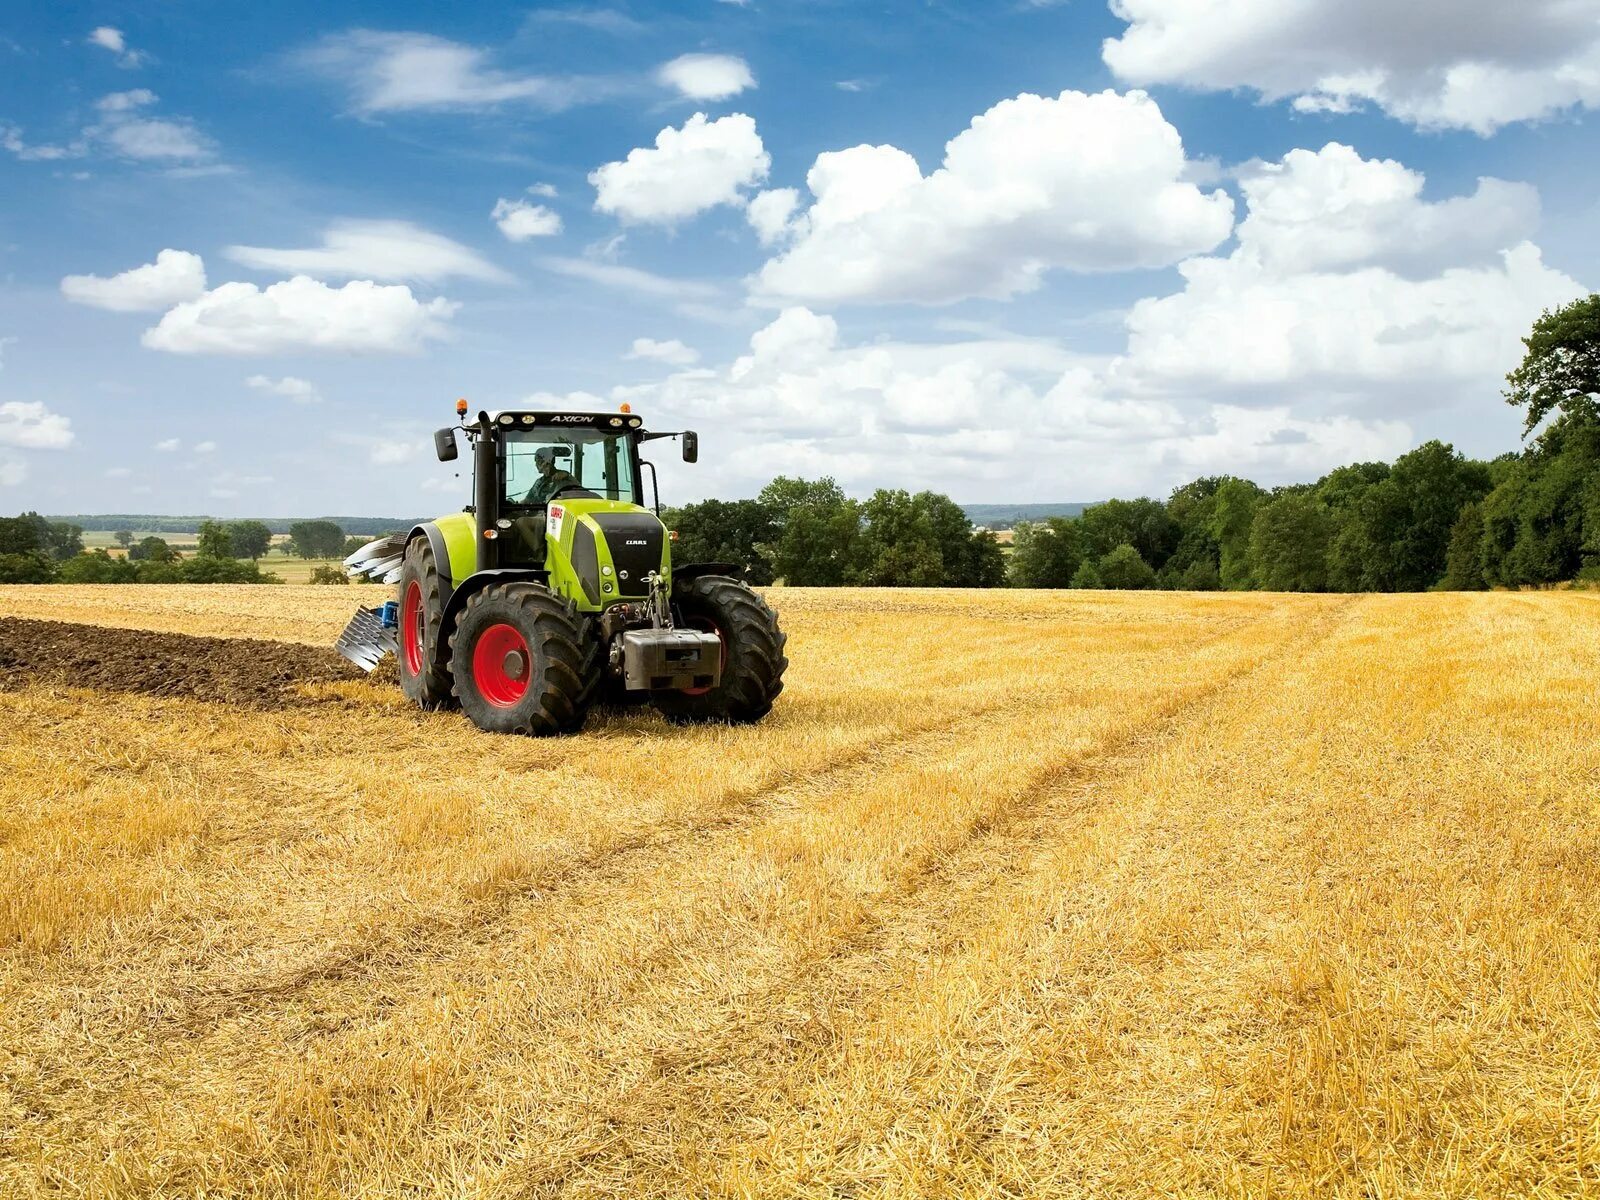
[[507, 419], [504, 523], [528, 420], [635, 422], [616, 420]]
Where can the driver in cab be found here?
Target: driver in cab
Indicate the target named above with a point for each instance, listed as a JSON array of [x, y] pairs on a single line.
[[552, 481]]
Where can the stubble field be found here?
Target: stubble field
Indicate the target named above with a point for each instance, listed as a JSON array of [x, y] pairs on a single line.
[[1016, 894]]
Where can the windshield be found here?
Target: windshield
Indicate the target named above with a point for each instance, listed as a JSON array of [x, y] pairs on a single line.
[[541, 462]]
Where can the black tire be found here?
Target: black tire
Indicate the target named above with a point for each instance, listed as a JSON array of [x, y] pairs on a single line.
[[752, 648], [560, 661], [422, 677]]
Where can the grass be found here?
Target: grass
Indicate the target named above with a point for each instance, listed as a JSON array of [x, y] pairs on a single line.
[[1015, 894]]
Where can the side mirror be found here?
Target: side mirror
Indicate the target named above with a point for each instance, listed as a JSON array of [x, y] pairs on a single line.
[[444, 444], [691, 446]]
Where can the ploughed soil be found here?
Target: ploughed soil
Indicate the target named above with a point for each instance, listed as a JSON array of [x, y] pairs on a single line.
[[228, 670]]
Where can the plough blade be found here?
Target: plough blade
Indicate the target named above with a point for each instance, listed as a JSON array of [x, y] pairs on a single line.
[[365, 640]]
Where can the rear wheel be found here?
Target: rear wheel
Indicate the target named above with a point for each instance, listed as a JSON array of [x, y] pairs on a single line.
[[421, 608], [524, 661], [752, 653]]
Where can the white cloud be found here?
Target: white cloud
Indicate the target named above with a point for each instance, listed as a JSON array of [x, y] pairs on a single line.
[[168, 446], [12, 472], [547, 190], [671, 351], [12, 142], [113, 40], [1468, 64], [630, 279], [692, 169], [302, 314], [175, 276], [1078, 182], [1344, 279], [706, 76], [205, 448], [519, 220], [385, 250], [32, 426], [300, 391], [397, 72], [147, 139], [771, 214]]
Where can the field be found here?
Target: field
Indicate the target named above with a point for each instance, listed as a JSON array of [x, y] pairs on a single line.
[[1016, 894]]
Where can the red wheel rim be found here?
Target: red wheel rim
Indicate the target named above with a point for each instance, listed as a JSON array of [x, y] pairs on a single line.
[[412, 624], [501, 665], [707, 625]]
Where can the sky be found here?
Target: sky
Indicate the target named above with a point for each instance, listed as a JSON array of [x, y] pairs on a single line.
[[1025, 251]]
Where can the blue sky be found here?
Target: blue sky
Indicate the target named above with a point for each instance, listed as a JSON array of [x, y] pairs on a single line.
[[249, 256]]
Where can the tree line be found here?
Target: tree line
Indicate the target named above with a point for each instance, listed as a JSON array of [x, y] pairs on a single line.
[[34, 549]]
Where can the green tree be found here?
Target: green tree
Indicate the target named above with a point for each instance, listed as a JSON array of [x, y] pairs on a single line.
[[1561, 370], [30, 566], [23, 535], [735, 531], [250, 539], [1233, 512], [898, 546], [1087, 575], [1046, 554], [316, 539], [214, 541], [1124, 569], [152, 549], [1143, 524], [124, 537], [1289, 543], [1463, 569], [817, 531], [1200, 576], [96, 566]]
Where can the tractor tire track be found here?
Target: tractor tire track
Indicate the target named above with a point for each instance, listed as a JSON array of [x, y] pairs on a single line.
[[916, 921]]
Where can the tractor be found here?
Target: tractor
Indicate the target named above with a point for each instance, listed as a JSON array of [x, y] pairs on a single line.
[[555, 588]]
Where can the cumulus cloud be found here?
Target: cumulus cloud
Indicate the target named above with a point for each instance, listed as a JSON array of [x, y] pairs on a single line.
[[771, 214], [386, 250], [671, 351], [1078, 182], [31, 426], [519, 220], [1344, 278], [398, 72], [302, 314], [12, 141], [300, 391], [108, 38], [692, 169], [1467, 64], [706, 76], [167, 446], [175, 276], [125, 129]]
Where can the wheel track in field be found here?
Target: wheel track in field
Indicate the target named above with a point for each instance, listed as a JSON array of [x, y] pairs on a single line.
[[733, 810], [389, 961], [917, 919], [389, 964], [899, 903]]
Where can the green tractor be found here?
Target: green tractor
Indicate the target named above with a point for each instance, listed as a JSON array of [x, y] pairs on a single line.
[[556, 589]]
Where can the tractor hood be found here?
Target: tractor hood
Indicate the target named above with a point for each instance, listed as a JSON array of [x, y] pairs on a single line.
[[610, 547]]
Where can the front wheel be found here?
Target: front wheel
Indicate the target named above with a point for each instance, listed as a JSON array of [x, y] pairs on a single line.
[[752, 653], [523, 661]]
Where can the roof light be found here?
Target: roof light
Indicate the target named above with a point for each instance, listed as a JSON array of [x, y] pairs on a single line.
[[507, 419], [635, 422], [616, 420], [627, 408], [528, 419], [461, 407]]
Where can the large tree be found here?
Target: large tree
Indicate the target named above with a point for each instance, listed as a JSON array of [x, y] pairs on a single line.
[[1046, 554], [736, 531], [316, 539], [1289, 543], [251, 539], [1561, 371], [213, 541]]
